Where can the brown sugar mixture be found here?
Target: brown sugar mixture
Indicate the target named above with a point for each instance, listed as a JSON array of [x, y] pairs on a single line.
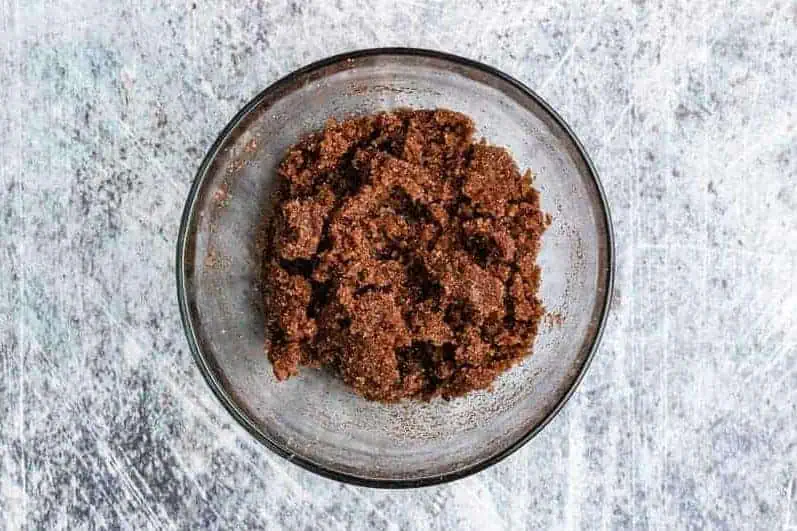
[[402, 256]]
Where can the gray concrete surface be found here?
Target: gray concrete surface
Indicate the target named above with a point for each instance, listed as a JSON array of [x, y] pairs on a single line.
[[687, 418]]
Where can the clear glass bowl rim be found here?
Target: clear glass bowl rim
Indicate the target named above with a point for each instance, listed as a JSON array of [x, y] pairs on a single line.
[[182, 239]]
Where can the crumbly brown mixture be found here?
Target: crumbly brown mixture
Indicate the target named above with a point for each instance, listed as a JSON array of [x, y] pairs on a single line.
[[402, 255]]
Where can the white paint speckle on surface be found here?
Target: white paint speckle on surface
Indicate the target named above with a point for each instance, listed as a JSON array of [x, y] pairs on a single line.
[[685, 420]]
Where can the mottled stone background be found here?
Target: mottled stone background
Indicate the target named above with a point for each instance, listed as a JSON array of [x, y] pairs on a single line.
[[688, 416]]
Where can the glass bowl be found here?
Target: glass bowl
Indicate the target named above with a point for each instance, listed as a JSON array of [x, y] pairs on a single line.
[[313, 419]]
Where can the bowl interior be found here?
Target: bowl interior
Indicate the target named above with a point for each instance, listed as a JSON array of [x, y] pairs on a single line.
[[314, 418]]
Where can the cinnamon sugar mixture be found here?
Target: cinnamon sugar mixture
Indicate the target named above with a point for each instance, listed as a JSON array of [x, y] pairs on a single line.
[[402, 256]]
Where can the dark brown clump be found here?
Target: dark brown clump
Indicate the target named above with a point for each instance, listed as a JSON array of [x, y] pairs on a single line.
[[402, 255]]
